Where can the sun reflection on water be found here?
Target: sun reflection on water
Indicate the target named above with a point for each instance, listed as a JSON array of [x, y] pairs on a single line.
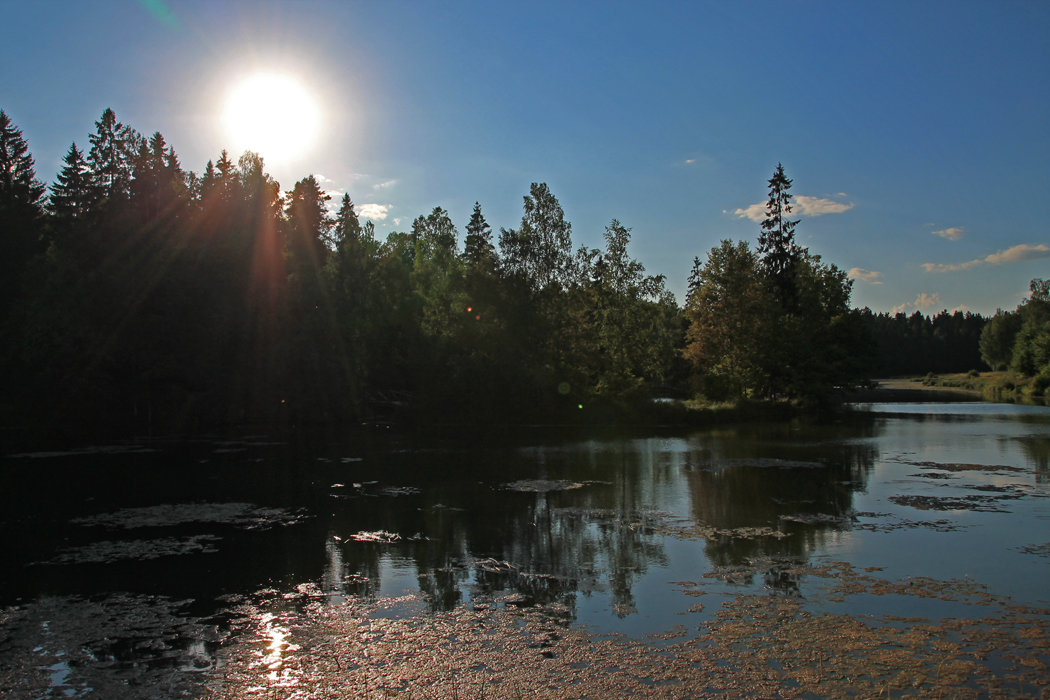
[[276, 651]]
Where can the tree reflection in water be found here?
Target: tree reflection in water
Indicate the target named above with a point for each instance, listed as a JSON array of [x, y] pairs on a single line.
[[588, 519]]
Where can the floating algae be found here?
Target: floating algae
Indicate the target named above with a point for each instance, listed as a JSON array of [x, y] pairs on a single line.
[[242, 515]]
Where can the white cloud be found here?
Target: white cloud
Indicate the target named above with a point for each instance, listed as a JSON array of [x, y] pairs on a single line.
[[397, 221], [335, 201], [1019, 253], [804, 206], [690, 161], [818, 206], [376, 212], [922, 302], [1015, 254], [386, 184], [952, 234], [869, 276], [755, 212]]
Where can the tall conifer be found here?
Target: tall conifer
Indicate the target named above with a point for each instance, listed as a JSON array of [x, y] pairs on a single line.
[[776, 242], [478, 250], [73, 193]]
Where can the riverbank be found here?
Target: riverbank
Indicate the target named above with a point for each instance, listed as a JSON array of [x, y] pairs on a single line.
[[1001, 387], [913, 390]]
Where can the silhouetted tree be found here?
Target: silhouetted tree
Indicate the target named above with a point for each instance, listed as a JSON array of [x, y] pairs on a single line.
[[21, 215], [478, 251], [434, 237], [347, 230], [776, 243], [540, 250], [112, 155], [21, 209], [74, 194]]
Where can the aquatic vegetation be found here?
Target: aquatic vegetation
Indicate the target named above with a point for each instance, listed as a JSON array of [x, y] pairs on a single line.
[[110, 551], [242, 515], [542, 485]]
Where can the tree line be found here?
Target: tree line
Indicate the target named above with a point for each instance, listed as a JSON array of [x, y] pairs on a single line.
[[135, 293], [916, 344]]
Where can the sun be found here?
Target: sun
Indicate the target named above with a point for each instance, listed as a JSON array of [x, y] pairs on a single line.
[[273, 114]]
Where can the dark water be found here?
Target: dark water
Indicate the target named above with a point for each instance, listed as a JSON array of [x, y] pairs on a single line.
[[617, 529]]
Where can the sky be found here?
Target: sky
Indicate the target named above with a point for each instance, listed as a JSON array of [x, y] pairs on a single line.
[[917, 134]]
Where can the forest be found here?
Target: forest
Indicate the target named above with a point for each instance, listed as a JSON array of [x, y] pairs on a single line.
[[137, 295]]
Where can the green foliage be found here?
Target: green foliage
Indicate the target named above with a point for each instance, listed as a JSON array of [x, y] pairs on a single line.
[[540, 250], [997, 339], [730, 313], [1030, 355], [776, 324]]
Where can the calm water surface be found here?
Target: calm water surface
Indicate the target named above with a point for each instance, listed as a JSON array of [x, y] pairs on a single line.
[[617, 529]]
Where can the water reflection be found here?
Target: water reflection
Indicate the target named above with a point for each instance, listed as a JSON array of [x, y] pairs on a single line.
[[1037, 450], [792, 480], [593, 517], [275, 635]]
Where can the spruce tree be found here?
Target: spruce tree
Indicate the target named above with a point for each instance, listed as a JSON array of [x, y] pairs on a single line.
[[74, 193], [20, 191], [113, 150], [347, 224], [20, 221], [478, 251], [21, 195], [776, 242]]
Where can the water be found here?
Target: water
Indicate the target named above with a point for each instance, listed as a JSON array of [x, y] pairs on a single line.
[[139, 559]]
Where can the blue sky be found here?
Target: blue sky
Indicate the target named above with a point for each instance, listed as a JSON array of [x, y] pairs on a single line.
[[917, 134]]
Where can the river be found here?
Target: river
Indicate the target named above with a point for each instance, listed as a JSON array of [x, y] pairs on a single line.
[[140, 566]]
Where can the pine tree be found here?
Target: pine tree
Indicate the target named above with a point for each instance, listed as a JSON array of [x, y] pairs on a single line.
[[776, 242]]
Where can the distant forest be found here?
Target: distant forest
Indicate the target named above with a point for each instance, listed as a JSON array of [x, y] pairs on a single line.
[[137, 295]]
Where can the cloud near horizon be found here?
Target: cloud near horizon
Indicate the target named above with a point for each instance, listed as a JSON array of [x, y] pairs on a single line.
[[869, 276], [376, 212], [1015, 254], [953, 233], [922, 302], [804, 206]]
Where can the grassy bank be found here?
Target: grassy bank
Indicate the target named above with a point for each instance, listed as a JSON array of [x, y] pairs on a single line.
[[992, 386]]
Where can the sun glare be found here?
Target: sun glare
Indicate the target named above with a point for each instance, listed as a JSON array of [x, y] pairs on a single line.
[[273, 114]]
